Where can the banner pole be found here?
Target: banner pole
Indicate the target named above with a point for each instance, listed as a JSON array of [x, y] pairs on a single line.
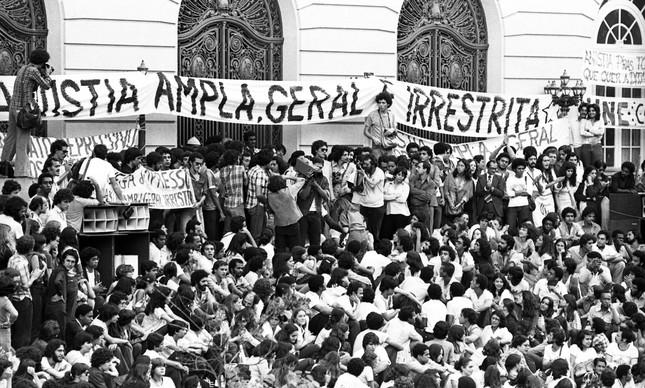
[[141, 123]]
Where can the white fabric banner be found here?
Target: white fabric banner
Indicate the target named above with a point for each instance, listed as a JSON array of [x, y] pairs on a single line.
[[79, 147], [437, 110], [553, 134], [613, 69], [169, 189]]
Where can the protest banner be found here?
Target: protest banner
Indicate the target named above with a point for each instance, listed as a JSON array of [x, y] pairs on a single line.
[[79, 147], [284, 103], [621, 112], [555, 134], [169, 189], [613, 69]]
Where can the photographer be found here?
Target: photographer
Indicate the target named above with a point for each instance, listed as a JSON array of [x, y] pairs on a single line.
[[17, 143]]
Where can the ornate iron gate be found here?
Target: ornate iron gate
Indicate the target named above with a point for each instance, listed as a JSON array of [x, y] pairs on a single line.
[[23, 28], [442, 43], [236, 39]]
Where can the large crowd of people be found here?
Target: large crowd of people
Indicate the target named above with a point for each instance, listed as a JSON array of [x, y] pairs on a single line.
[[344, 267]]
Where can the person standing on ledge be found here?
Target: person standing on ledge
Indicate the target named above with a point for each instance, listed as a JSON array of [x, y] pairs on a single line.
[[380, 126], [30, 76]]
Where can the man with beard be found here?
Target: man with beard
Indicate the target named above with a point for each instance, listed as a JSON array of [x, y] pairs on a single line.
[[505, 253], [204, 299], [53, 362], [237, 282], [632, 240]]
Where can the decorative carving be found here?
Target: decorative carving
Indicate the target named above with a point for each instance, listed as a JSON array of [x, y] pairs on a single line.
[[466, 17], [443, 43], [233, 39], [23, 27], [261, 16]]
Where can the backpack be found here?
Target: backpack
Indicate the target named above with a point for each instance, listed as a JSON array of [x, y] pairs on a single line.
[[75, 174]]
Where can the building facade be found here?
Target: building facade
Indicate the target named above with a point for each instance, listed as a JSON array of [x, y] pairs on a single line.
[[502, 46]]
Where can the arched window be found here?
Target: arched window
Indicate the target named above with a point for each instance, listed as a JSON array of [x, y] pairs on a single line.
[[619, 26]]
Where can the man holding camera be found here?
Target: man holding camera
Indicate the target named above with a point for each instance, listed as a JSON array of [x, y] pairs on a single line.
[[32, 75]]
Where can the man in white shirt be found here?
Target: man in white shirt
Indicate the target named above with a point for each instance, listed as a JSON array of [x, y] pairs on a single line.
[[417, 283], [350, 378], [378, 258], [457, 303], [478, 293], [401, 331], [551, 286], [614, 260], [14, 212], [158, 251], [62, 199], [434, 310], [622, 351], [101, 171]]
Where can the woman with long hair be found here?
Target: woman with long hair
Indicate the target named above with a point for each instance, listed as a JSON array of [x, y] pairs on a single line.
[[544, 182], [238, 244], [139, 376], [582, 355], [500, 289], [482, 256], [509, 311], [570, 313], [566, 188], [496, 330], [343, 170], [157, 313], [458, 189], [456, 338]]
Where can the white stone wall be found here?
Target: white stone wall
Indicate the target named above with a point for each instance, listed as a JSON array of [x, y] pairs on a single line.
[[531, 41]]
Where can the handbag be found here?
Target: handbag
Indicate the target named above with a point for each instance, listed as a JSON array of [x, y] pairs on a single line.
[[29, 115]]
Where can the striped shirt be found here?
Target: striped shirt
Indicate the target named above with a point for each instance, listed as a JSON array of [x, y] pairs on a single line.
[[232, 178], [258, 182]]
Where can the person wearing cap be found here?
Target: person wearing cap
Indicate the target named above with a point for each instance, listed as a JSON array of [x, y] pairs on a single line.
[[131, 160]]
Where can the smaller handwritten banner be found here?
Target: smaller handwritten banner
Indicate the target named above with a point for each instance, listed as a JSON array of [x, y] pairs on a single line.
[[79, 147], [553, 134], [614, 69], [170, 189]]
